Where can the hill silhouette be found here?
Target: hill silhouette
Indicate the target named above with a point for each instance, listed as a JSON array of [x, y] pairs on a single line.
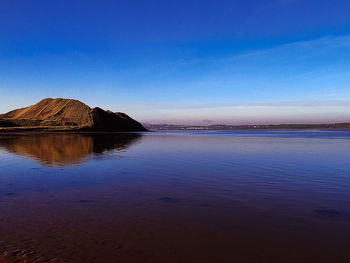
[[68, 114]]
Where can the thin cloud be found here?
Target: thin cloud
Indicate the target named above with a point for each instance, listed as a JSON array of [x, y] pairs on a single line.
[[322, 103]]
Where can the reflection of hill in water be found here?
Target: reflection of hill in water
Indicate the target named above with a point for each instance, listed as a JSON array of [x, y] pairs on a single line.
[[65, 149]]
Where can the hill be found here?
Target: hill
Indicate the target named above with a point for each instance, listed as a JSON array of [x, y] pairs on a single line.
[[68, 114]]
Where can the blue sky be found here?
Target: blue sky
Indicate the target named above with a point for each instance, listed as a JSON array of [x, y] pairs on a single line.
[[191, 62]]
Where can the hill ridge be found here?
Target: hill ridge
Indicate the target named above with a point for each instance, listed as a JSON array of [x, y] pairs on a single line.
[[73, 113]]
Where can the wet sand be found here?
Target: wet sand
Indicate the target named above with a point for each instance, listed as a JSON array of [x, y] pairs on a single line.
[[118, 225]]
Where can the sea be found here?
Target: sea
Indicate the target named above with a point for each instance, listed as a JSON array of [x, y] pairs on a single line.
[[176, 196]]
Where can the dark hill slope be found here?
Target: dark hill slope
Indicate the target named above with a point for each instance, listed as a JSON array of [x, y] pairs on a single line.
[[68, 113], [110, 121]]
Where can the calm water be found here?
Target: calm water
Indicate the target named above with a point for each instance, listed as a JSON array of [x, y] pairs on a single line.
[[204, 196]]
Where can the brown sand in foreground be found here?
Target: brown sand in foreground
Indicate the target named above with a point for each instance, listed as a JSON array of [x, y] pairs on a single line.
[[114, 225]]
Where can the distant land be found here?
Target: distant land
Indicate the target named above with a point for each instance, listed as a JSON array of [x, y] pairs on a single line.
[[66, 115], [72, 115], [245, 127]]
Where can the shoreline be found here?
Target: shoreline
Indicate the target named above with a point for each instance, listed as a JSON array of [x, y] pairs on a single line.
[[336, 126], [39, 133]]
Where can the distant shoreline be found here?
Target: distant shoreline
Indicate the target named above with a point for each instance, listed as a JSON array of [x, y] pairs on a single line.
[[156, 127], [165, 127]]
